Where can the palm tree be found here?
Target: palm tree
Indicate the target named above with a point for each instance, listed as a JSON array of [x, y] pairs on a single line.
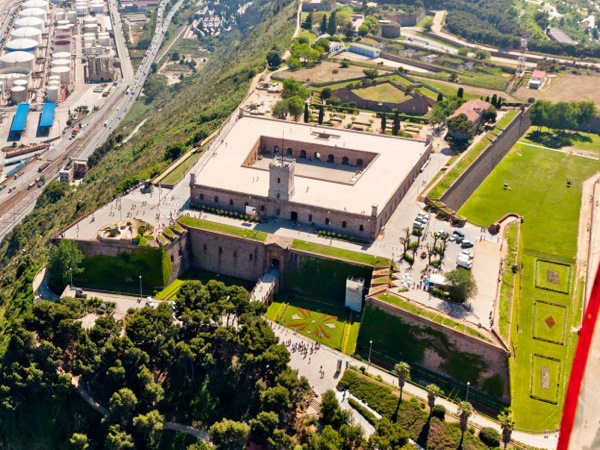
[[507, 424], [402, 369], [433, 391], [465, 410]]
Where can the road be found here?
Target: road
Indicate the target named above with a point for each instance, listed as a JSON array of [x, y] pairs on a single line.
[[99, 125]]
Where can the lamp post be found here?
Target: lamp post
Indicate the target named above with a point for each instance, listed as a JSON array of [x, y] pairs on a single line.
[[71, 273], [468, 386], [141, 296], [370, 348]]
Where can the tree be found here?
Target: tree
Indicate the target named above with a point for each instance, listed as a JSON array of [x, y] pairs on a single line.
[[65, 260], [229, 434], [414, 247], [295, 106], [292, 87], [174, 151], [383, 124], [348, 30], [461, 284], [388, 436], [405, 240], [461, 127], [363, 30], [428, 24], [280, 109], [585, 111], [507, 424], [465, 411], [175, 56], [276, 399], [463, 51], [433, 392], [79, 441], [352, 436], [263, 426], [438, 115], [274, 58], [402, 371], [453, 77], [321, 114], [121, 406], [440, 98], [118, 439], [490, 437], [153, 67], [482, 54], [306, 113], [329, 439], [325, 93], [371, 74], [460, 93], [149, 425], [54, 191], [309, 21], [332, 24], [396, 126], [324, 24]]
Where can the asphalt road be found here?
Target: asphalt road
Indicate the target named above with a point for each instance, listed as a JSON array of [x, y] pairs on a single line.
[[99, 125]]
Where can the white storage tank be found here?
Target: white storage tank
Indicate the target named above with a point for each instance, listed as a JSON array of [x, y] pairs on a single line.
[[41, 4], [63, 72], [61, 55], [72, 17], [62, 45], [27, 32], [34, 12], [91, 40], [104, 39], [60, 15], [22, 82], [1, 89], [91, 28], [22, 45], [97, 7], [62, 23], [34, 22], [18, 59], [18, 94], [54, 79], [64, 29], [61, 63], [82, 10], [52, 93]]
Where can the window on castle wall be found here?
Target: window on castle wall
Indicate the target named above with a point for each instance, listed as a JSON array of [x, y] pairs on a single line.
[[278, 180], [310, 217], [171, 258], [277, 195], [278, 211], [290, 152], [230, 202], [262, 208], [302, 154], [201, 196], [216, 199], [361, 228], [250, 257], [180, 251], [235, 254], [344, 224], [204, 246], [220, 250], [327, 221]]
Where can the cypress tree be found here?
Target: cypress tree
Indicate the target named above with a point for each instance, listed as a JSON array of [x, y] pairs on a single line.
[[440, 97], [383, 124], [332, 25], [306, 113], [321, 114], [460, 92], [396, 127], [324, 24]]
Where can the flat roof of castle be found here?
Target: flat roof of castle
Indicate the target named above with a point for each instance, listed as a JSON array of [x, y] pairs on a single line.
[[395, 159]]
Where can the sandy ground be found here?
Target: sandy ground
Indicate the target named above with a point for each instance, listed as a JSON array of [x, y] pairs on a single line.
[[323, 72], [564, 88]]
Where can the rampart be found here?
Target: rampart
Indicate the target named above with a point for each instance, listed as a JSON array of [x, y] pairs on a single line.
[[465, 185], [494, 356]]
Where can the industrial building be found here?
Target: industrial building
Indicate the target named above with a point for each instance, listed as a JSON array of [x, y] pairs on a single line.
[[46, 118], [339, 180], [19, 120], [100, 69], [364, 50]]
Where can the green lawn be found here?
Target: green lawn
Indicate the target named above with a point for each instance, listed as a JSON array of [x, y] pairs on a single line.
[[509, 279], [382, 92], [546, 308], [507, 118], [176, 174], [538, 191], [340, 253], [450, 91], [170, 292], [549, 138], [312, 37], [223, 228], [320, 320]]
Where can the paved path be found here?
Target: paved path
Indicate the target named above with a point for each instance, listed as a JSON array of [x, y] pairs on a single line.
[[326, 358]]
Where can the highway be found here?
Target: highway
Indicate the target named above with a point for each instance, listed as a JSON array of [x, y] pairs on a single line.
[[97, 127]]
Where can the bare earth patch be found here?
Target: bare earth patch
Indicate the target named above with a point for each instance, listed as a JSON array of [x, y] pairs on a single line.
[[564, 88], [323, 72]]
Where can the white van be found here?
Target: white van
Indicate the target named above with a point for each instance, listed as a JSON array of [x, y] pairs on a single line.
[[464, 262], [149, 302]]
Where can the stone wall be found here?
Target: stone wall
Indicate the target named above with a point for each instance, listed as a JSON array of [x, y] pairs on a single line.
[[471, 178], [493, 355]]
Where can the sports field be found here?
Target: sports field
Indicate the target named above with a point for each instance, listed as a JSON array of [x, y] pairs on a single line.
[[321, 321], [548, 310]]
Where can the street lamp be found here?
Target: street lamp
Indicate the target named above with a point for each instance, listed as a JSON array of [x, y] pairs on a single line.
[[71, 273], [468, 386], [141, 296], [370, 348]]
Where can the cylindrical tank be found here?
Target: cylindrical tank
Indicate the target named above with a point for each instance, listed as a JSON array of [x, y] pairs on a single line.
[[22, 45], [62, 37], [34, 22], [18, 59], [89, 38], [33, 12], [62, 23], [82, 10], [54, 79], [60, 15], [104, 39], [27, 32], [63, 72], [52, 93], [61, 55], [61, 62], [41, 4], [91, 28], [72, 17], [22, 82], [65, 29], [97, 7], [1, 89], [62, 45], [18, 94]]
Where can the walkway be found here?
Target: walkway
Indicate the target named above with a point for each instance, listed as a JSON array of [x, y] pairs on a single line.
[[265, 286], [326, 358]]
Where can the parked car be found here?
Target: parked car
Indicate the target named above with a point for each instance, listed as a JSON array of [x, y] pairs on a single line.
[[149, 301], [459, 233], [464, 264], [467, 254], [466, 244]]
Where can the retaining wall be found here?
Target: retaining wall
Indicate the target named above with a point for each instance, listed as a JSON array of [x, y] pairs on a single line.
[[471, 178]]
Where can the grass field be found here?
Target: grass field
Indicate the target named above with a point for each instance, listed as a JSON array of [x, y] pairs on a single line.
[[538, 191], [176, 174], [548, 138], [547, 308], [223, 228], [382, 92], [170, 292], [340, 253], [509, 279], [322, 321]]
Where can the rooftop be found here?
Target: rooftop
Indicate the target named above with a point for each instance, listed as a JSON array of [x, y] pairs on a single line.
[[472, 109], [538, 74], [317, 183], [20, 119], [47, 117]]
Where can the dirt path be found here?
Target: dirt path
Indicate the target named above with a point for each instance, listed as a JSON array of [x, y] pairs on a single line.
[[588, 237]]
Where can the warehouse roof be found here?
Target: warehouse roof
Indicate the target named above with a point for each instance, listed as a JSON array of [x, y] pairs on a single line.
[[18, 124], [47, 117]]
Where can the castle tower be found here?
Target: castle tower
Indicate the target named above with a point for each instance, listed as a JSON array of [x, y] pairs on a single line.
[[281, 178]]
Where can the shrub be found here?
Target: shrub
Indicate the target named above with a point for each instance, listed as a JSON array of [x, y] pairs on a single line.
[[439, 411], [368, 415], [490, 437], [409, 259]]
